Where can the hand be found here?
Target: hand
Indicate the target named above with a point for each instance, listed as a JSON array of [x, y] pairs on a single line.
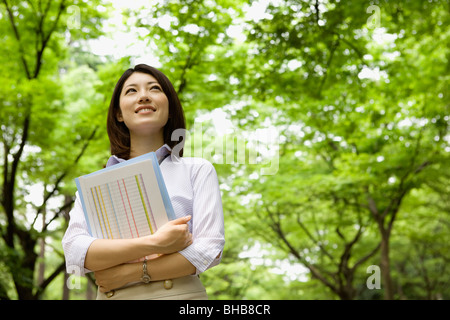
[[173, 236], [116, 277]]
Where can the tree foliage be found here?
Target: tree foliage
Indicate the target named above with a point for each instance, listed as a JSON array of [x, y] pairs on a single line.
[[332, 149]]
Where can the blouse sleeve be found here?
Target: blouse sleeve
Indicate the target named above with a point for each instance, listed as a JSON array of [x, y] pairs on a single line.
[[207, 219], [76, 240]]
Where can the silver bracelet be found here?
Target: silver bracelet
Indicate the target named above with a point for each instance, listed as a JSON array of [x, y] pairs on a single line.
[[145, 276]]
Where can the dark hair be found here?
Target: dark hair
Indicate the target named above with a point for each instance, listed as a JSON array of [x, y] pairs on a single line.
[[119, 135]]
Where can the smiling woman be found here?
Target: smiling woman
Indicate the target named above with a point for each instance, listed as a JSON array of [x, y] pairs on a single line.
[[143, 86], [144, 112]]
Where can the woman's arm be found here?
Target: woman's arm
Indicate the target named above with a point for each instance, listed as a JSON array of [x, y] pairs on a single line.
[[165, 267], [107, 253]]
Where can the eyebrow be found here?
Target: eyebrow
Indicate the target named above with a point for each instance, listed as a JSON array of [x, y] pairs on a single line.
[[135, 85]]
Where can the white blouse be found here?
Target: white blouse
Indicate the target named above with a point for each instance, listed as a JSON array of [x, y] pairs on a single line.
[[193, 188]]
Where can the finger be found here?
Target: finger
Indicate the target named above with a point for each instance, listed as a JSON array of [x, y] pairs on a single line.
[[181, 220], [181, 228]]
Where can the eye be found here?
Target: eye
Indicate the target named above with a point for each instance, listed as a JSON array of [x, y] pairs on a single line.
[[155, 87], [129, 90]]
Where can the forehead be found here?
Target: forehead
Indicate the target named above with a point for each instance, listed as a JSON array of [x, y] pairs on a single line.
[[139, 78]]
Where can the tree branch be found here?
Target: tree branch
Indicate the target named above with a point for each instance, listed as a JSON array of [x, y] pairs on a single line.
[[343, 265], [365, 258], [372, 206], [47, 281], [61, 209], [46, 38], [65, 172], [17, 35], [187, 65], [317, 273], [311, 237], [330, 58]]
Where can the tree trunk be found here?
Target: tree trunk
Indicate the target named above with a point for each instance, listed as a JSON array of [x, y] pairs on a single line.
[[41, 269], [90, 291], [66, 291], [385, 265], [23, 273]]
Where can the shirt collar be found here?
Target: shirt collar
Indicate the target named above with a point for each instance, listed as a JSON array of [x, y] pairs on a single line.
[[161, 153]]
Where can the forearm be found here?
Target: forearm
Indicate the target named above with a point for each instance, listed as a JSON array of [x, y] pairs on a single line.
[[168, 266], [171, 237], [107, 253]]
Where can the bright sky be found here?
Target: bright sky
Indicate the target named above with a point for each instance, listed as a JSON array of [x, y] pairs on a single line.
[[120, 43]]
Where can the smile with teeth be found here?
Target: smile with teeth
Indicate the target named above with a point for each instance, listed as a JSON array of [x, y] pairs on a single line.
[[142, 110]]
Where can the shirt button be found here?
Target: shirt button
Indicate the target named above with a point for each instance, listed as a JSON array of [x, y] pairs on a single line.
[[168, 284], [109, 294]]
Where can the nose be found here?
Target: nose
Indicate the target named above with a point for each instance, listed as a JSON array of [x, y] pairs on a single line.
[[144, 97]]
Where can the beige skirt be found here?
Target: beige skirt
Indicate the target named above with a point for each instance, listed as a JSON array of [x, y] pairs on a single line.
[[184, 288]]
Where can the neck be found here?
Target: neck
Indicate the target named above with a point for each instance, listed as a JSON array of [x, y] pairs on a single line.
[[145, 144]]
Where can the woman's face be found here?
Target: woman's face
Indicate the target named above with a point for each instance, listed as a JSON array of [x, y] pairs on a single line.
[[143, 104]]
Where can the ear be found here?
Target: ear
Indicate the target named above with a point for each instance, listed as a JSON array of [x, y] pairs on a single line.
[[119, 116]]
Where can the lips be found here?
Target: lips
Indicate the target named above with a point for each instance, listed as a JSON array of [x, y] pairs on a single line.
[[142, 109]]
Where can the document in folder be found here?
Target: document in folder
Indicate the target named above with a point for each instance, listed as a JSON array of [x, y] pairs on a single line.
[[127, 200]]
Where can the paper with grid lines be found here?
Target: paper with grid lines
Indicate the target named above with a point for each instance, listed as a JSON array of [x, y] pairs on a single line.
[[127, 200]]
